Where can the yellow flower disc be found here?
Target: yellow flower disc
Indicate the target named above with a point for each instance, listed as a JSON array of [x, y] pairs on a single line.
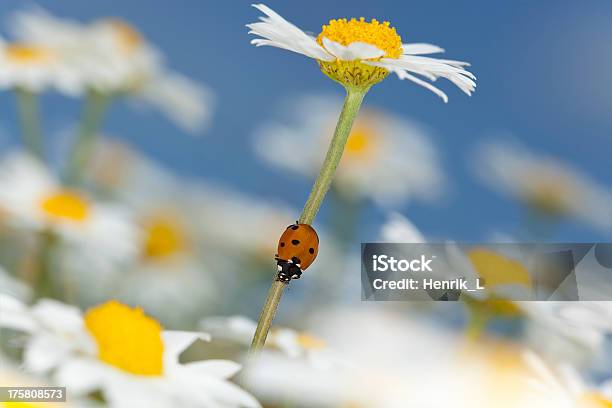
[[164, 237], [355, 73], [66, 205], [126, 338], [27, 54]]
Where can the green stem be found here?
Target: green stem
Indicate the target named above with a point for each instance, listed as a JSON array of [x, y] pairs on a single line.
[[95, 107], [27, 103], [45, 264], [352, 103]]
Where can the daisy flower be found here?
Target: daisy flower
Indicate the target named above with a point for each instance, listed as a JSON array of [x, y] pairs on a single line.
[[35, 68], [171, 265], [359, 53], [170, 259], [113, 57], [123, 353], [386, 158], [544, 184], [35, 200]]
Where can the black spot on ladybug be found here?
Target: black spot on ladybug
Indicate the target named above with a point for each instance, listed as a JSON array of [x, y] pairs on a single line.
[[311, 250], [282, 244], [294, 227], [295, 241]]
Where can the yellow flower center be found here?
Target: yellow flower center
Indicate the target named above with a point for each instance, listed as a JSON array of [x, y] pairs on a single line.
[[550, 195], [164, 237], [498, 270], [65, 205], [126, 338], [594, 400], [27, 54], [362, 141], [310, 342], [381, 35], [128, 37], [355, 73]]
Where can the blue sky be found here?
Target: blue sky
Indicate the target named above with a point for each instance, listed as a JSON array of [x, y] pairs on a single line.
[[543, 73]]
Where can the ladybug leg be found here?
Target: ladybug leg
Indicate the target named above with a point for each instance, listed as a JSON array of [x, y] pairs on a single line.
[[296, 261], [284, 270], [287, 270]]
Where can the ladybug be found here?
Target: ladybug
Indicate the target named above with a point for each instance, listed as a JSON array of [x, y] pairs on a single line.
[[297, 250]]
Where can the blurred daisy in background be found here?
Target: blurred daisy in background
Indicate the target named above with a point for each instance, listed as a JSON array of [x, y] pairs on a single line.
[[387, 158], [400, 229], [562, 385], [36, 68], [170, 260], [360, 53], [575, 330], [124, 354], [393, 362], [35, 200], [113, 59], [547, 186]]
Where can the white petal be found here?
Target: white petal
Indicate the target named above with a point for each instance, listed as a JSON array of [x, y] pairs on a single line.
[[175, 342], [81, 375], [278, 32], [421, 48], [58, 316], [224, 393], [222, 369], [403, 74], [354, 51], [44, 352], [431, 68], [14, 314], [188, 103], [236, 328], [400, 229]]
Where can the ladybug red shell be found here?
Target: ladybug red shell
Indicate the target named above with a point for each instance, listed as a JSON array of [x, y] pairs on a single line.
[[297, 249]]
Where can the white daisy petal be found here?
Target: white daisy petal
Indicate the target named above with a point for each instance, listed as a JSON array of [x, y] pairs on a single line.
[[400, 229], [278, 32], [354, 51], [57, 315], [175, 342], [403, 74], [14, 314], [421, 48], [430, 68], [44, 352], [225, 394], [81, 375], [223, 369]]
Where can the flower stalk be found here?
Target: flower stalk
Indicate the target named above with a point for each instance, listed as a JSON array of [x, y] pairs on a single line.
[[29, 117], [352, 103], [96, 104]]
